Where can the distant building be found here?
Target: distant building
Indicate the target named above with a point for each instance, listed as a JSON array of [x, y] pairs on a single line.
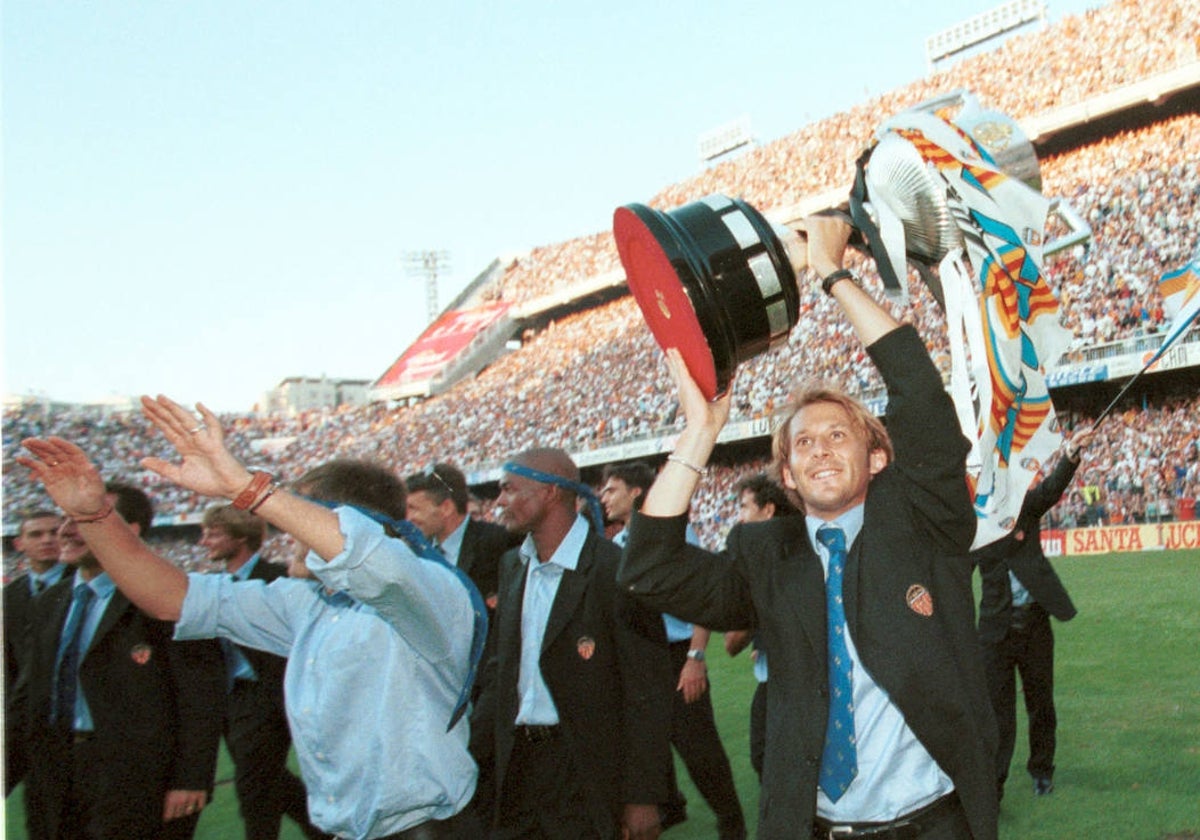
[[297, 394]]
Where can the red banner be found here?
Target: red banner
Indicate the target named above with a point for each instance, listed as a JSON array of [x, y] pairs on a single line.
[[444, 339]]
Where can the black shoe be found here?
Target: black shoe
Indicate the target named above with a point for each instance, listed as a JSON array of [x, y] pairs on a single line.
[[1043, 786]]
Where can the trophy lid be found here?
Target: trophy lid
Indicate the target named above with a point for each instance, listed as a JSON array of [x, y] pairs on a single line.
[[713, 278], [643, 241]]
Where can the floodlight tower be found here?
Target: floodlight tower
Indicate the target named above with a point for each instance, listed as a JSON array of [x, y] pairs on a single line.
[[428, 264]]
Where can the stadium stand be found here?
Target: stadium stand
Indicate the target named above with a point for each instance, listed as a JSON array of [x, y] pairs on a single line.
[[588, 377]]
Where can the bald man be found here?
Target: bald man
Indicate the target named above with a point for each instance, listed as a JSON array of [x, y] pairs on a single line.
[[578, 694]]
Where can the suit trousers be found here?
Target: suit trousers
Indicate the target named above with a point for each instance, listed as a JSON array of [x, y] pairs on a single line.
[[90, 814], [259, 740], [543, 796], [1026, 649], [758, 728], [695, 737]]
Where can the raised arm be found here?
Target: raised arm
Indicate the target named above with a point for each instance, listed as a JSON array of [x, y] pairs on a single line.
[[206, 467], [827, 238], [75, 485]]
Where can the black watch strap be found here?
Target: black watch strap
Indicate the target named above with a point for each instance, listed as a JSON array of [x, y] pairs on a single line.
[[840, 274]]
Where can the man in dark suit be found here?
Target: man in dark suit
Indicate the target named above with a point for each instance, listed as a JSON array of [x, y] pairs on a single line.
[[759, 499], [694, 732], [1020, 592], [878, 717], [127, 747], [577, 697], [256, 727], [37, 540], [437, 504]]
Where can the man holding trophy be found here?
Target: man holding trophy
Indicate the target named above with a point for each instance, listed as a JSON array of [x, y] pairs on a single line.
[[878, 715]]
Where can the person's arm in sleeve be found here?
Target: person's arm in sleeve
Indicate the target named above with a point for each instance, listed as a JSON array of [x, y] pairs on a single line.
[[198, 689], [422, 599]]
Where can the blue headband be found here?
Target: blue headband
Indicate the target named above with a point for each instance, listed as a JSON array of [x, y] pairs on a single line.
[[567, 484], [426, 550]]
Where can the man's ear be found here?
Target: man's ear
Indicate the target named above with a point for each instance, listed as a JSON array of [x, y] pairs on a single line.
[[135, 527], [785, 473], [877, 460]]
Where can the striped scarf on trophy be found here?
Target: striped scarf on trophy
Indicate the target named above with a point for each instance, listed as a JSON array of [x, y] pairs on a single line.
[[1002, 318]]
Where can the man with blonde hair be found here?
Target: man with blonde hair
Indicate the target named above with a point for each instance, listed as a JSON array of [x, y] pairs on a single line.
[[878, 719]]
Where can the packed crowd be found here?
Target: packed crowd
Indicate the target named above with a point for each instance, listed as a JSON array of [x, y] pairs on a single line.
[[1143, 467], [569, 385], [1078, 57]]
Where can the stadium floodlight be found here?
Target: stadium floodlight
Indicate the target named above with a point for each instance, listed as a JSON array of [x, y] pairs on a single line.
[[982, 27], [724, 140], [428, 265]]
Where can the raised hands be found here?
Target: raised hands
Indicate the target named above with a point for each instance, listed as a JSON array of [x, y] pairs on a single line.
[[72, 481], [206, 467], [698, 411]]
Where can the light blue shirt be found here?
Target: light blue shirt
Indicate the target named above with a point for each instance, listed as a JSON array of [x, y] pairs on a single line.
[[760, 666], [371, 679], [237, 666], [536, 705], [1020, 595], [46, 579], [896, 774], [452, 546], [102, 590]]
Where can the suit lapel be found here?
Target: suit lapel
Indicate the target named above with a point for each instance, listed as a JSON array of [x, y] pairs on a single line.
[[804, 590], [512, 598], [570, 592], [466, 551], [112, 614]]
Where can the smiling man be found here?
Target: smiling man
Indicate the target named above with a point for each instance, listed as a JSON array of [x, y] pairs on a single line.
[[878, 715], [120, 722]]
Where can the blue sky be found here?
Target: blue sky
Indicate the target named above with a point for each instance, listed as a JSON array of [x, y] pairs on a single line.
[[202, 198]]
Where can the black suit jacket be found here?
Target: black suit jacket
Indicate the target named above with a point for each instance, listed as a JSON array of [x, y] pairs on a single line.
[[1021, 551], [479, 556], [917, 530], [18, 602], [614, 701], [156, 705]]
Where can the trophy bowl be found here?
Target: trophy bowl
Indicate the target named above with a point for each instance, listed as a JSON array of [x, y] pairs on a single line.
[[713, 278]]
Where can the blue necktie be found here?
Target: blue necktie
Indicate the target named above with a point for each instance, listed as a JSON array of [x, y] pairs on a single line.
[[62, 709], [839, 760]]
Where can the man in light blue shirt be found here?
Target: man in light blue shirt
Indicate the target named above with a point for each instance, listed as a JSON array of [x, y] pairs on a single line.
[[379, 658], [256, 727]]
